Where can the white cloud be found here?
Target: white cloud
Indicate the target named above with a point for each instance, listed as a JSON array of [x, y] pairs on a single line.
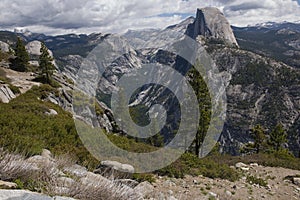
[[65, 16], [245, 12]]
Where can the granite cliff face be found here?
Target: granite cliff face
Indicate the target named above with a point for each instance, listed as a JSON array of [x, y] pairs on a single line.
[[211, 23], [261, 91]]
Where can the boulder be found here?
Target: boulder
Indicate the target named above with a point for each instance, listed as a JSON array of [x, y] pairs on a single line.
[[228, 193], [245, 168], [33, 48], [171, 198], [213, 194], [27, 195], [6, 94], [4, 47], [46, 154], [76, 170], [296, 181], [144, 188], [34, 63], [254, 165], [52, 112], [240, 165], [115, 169], [94, 179], [39, 160], [65, 182], [7, 185]]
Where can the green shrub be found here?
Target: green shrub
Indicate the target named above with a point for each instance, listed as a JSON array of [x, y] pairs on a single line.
[[25, 127], [14, 89], [53, 83], [258, 181], [20, 184], [130, 144], [144, 177], [281, 158], [192, 165]]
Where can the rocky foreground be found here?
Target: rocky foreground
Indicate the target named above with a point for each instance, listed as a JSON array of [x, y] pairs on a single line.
[[65, 178], [277, 186]]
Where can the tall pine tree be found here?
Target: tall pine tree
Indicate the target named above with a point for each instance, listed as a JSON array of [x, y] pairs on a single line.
[[46, 64], [21, 61], [200, 88], [258, 134], [278, 137]]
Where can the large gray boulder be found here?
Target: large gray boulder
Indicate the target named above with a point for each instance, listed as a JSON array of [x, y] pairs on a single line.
[[76, 170], [210, 22], [144, 188], [114, 169], [118, 166], [296, 181], [33, 48]]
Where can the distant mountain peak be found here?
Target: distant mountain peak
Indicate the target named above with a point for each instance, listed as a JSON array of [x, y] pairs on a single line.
[[24, 32], [182, 26], [292, 26], [210, 22]]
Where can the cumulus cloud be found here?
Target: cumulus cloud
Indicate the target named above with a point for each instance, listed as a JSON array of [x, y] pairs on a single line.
[[65, 16]]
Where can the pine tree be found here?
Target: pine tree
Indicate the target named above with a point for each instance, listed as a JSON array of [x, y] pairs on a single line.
[[21, 62], [278, 137], [198, 84], [46, 65], [259, 137]]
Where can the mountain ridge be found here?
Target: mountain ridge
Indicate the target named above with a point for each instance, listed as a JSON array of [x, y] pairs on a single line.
[[252, 100]]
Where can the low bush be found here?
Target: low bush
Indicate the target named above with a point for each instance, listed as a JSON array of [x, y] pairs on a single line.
[[192, 165], [26, 128], [144, 177], [42, 79], [14, 89], [281, 158], [258, 181]]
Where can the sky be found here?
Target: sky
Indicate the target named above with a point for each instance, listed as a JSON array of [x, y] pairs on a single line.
[[117, 16]]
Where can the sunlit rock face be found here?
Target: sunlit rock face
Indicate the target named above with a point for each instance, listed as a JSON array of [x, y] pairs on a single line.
[[211, 23]]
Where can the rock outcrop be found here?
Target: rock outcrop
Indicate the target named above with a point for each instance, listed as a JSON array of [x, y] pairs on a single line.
[[4, 47], [6, 94], [210, 22], [115, 169], [33, 48], [7, 185]]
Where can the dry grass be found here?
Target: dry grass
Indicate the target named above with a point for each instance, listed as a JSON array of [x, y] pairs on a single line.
[[13, 166], [46, 177]]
